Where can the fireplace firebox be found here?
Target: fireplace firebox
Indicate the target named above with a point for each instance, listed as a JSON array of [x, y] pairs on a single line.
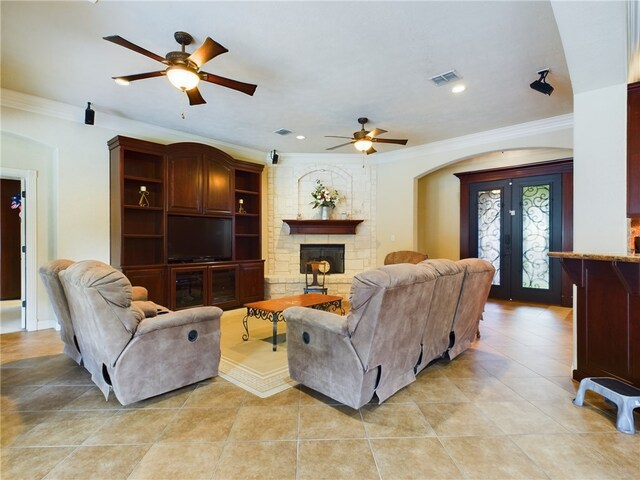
[[331, 253]]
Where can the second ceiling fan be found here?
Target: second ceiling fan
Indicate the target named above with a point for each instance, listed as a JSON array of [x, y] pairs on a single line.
[[363, 139], [183, 69]]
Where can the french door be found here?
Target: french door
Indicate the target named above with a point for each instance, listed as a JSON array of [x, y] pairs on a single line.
[[514, 223]]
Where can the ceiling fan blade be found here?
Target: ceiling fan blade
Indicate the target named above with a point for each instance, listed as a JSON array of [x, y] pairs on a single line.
[[338, 146], [247, 88], [195, 98], [370, 151], [208, 50], [140, 76], [336, 136], [390, 140], [375, 132], [118, 40]]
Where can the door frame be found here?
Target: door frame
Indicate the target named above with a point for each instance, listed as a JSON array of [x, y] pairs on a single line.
[[29, 259], [562, 166]]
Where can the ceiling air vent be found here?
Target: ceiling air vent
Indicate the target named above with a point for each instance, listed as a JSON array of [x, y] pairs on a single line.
[[446, 77], [282, 131]]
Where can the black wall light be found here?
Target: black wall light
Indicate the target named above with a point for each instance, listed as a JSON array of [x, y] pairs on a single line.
[[541, 84], [273, 155], [89, 115]]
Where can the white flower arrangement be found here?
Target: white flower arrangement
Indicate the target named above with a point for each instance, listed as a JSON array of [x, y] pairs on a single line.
[[324, 197]]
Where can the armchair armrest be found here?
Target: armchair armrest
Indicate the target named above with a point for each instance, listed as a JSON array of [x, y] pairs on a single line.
[[312, 318], [139, 294], [177, 319]]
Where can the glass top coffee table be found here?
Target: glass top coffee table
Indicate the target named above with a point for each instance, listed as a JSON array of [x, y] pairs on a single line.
[[272, 309]]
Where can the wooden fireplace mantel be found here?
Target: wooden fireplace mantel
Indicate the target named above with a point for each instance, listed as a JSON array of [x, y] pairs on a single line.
[[322, 227]]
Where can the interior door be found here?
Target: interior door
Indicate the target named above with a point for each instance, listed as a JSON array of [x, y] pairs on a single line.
[[514, 223], [11, 274]]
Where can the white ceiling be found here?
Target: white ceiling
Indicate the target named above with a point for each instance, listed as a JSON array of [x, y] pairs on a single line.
[[318, 66]]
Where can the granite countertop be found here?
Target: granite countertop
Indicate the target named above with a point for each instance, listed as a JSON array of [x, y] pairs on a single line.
[[598, 256]]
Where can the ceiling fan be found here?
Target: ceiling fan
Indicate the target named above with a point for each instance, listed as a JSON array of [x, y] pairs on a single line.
[[363, 140], [183, 69]]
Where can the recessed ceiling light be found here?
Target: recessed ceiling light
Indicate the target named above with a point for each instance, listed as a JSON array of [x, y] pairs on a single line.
[[300, 137], [459, 88]]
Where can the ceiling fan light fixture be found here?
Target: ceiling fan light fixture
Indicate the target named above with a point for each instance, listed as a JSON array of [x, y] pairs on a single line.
[[363, 144], [121, 81], [183, 78]]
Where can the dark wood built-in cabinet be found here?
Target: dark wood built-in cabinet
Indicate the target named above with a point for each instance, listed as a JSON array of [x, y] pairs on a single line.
[[608, 315], [633, 150], [186, 184]]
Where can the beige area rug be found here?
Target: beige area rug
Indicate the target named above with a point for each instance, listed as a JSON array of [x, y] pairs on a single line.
[[253, 365]]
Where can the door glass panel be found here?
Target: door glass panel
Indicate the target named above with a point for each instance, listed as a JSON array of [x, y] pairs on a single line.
[[489, 227], [535, 236]]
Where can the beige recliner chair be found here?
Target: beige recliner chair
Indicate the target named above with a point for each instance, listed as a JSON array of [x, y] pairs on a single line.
[[373, 350], [126, 346], [53, 286], [404, 256]]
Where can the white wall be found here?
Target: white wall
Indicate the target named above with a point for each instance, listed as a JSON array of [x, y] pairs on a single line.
[[600, 178]]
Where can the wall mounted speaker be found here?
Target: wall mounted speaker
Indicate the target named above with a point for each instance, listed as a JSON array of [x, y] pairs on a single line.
[[89, 115]]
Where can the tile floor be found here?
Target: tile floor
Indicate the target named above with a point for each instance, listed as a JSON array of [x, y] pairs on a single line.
[[502, 410]]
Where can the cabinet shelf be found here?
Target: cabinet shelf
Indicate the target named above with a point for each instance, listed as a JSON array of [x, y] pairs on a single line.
[[137, 178], [142, 235], [246, 192], [138, 207], [247, 214]]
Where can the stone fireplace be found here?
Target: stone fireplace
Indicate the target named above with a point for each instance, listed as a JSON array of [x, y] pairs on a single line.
[[289, 197]]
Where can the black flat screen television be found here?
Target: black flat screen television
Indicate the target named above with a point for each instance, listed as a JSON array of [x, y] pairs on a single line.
[[198, 239]]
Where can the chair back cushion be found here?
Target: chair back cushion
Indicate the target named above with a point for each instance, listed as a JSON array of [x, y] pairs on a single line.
[[99, 300], [435, 338], [473, 296], [388, 315]]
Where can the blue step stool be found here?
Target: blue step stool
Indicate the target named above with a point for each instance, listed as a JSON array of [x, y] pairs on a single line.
[[625, 396]]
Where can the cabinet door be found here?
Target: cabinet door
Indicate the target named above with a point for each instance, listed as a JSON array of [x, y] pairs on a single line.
[[218, 188], [184, 183], [153, 279], [223, 286], [251, 282], [188, 287]]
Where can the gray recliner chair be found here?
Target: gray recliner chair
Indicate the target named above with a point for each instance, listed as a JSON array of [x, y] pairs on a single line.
[[372, 350], [49, 274], [126, 346]]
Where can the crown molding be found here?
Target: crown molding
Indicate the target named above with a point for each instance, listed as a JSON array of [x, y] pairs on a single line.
[[72, 113], [124, 126], [498, 135]]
